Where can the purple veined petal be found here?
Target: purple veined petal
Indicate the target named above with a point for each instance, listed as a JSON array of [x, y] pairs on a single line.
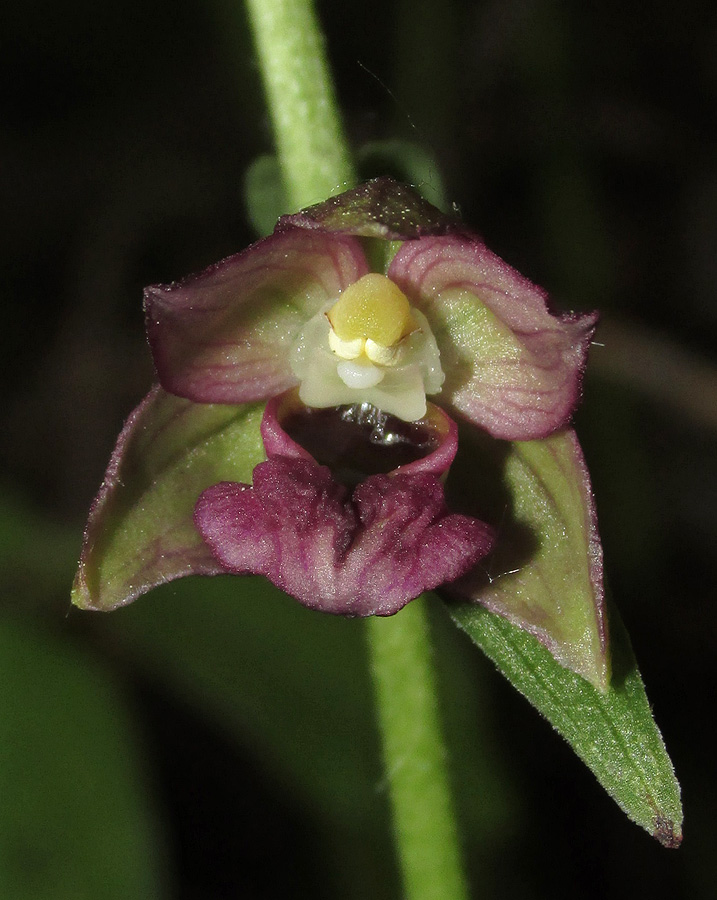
[[511, 366], [224, 335], [369, 554], [444, 434]]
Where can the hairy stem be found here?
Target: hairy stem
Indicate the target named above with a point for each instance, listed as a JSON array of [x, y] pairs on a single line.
[[314, 159], [415, 755]]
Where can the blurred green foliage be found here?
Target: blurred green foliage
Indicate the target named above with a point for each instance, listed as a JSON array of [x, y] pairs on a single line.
[[79, 817]]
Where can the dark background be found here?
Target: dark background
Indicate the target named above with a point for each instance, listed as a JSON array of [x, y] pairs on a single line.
[[215, 740]]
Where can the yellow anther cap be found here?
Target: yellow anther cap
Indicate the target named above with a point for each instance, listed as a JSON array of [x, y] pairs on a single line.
[[372, 308]]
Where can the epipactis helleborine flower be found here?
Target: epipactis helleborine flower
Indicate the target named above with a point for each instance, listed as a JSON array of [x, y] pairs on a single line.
[[343, 322]]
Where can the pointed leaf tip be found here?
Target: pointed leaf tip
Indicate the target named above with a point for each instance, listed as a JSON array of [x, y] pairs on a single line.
[[667, 832], [612, 731]]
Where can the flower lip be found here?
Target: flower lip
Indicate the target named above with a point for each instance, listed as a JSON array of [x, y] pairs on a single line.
[[365, 554], [359, 440], [336, 538]]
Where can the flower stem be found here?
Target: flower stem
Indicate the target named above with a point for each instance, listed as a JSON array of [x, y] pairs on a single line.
[[316, 163], [415, 755], [314, 159]]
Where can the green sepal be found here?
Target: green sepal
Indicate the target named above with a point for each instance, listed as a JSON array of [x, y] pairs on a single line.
[[546, 572], [140, 531], [612, 731]]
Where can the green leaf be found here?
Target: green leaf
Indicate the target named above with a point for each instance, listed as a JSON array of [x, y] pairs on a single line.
[[76, 818], [612, 731], [140, 531], [545, 574]]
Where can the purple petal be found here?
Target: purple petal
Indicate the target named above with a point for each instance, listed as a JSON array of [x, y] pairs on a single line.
[[511, 367], [367, 555], [381, 208], [223, 336]]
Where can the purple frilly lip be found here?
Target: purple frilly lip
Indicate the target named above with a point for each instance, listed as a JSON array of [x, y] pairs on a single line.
[[363, 553]]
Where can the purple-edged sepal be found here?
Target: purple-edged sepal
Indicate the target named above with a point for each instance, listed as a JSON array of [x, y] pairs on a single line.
[[546, 572], [140, 531], [380, 208], [512, 367]]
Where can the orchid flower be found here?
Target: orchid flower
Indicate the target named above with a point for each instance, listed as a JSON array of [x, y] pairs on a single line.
[[361, 333]]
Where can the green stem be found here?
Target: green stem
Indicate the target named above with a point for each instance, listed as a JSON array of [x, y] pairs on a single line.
[[314, 159], [415, 755], [316, 163]]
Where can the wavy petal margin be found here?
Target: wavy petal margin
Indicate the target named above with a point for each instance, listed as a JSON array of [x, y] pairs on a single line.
[[546, 574], [511, 366], [224, 336], [369, 554], [140, 531]]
